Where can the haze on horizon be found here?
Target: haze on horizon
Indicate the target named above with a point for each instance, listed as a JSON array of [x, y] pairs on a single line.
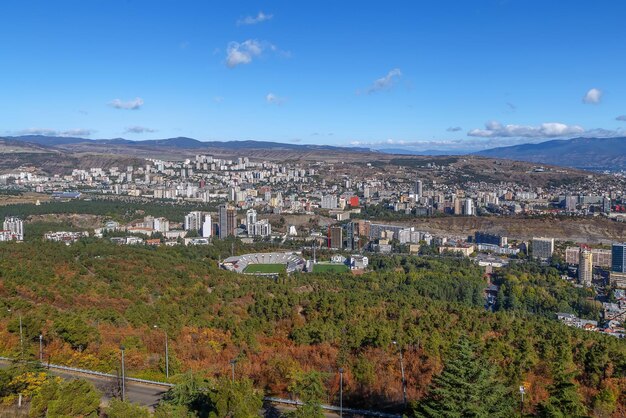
[[395, 74]]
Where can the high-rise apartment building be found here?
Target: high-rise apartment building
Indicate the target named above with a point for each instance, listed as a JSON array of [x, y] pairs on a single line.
[[585, 267], [250, 217], [15, 228], [207, 227], [335, 237], [329, 201], [193, 221], [418, 189]]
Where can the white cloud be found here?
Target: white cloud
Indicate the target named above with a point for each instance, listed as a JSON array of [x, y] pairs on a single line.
[[253, 20], [495, 129], [55, 132], [454, 129], [385, 82], [621, 118], [593, 96], [128, 105], [138, 130], [238, 53], [274, 99]]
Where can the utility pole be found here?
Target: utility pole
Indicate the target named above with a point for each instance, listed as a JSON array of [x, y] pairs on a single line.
[[21, 334], [167, 356], [123, 376], [402, 370], [41, 348], [341, 392], [21, 337], [232, 365]]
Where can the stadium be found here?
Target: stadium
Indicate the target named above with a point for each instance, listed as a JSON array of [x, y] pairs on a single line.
[[265, 264]]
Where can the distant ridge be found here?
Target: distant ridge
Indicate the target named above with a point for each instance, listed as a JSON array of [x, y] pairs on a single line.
[[583, 153], [180, 143]]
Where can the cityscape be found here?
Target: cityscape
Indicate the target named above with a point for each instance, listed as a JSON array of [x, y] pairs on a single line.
[[239, 212]]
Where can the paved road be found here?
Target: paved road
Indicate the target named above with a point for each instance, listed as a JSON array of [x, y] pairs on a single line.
[[139, 393], [149, 395]]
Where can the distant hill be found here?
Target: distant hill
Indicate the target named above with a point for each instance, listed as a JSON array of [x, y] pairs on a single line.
[[179, 143], [583, 153], [430, 152]]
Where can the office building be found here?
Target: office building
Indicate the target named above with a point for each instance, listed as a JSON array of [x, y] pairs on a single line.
[[618, 257], [493, 239], [543, 248]]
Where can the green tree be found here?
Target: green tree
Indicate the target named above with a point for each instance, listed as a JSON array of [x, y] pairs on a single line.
[[75, 331], [236, 399], [76, 398], [309, 389], [123, 409], [604, 403], [564, 400], [467, 387]]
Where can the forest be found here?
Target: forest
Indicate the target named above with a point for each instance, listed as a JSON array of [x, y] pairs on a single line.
[[296, 331]]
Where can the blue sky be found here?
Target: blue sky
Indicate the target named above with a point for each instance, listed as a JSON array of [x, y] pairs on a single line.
[[414, 74]]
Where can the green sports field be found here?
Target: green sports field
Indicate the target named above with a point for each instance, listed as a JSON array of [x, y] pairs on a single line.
[[265, 268], [333, 268]]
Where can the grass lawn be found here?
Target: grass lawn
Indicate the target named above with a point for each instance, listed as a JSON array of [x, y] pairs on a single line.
[[265, 268], [334, 268]]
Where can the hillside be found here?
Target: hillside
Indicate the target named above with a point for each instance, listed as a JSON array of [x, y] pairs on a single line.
[[596, 230], [584, 153], [92, 297]]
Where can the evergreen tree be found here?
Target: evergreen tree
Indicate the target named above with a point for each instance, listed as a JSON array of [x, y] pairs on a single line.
[[236, 399], [564, 400], [466, 388], [124, 409], [308, 388], [500, 298]]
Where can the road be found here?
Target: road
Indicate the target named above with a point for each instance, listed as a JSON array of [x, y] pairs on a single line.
[[149, 395], [139, 393]]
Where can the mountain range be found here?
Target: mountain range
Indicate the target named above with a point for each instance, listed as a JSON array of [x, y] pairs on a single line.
[[178, 142], [584, 153]]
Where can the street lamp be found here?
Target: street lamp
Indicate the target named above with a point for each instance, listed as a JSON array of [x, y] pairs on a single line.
[[341, 392], [522, 390], [402, 370], [123, 375], [41, 348], [167, 357], [232, 366]]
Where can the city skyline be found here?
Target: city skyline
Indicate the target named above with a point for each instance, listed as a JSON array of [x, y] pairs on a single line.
[[348, 74]]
